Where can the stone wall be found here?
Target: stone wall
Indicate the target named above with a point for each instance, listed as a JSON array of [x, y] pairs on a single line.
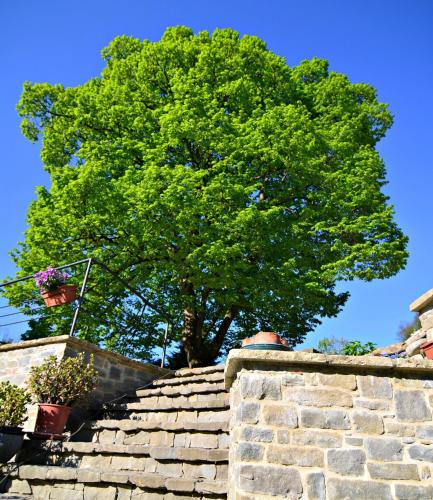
[[118, 375], [316, 427]]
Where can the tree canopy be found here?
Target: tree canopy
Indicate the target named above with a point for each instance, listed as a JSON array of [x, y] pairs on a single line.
[[232, 190]]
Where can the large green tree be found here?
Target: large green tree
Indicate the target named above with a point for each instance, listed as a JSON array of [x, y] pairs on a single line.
[[232, 190]]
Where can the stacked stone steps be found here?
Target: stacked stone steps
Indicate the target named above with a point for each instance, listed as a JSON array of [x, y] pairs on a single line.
[[48, 482], [169, 442]]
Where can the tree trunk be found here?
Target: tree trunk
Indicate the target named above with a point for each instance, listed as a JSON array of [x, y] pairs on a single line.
[[198, 352]]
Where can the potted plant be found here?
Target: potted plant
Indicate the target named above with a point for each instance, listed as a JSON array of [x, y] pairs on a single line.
[[266, 341], [13, 401], [53, 287], [58, 385]]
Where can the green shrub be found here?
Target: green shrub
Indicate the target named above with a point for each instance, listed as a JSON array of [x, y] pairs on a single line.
[[13, 401], [63, 382], [356, 348]]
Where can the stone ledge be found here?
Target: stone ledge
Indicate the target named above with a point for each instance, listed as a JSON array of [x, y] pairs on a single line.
[[422, 302], [26, 344], [297, 360], [79, 344]]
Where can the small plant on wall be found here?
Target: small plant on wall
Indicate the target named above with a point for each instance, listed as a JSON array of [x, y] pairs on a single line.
[[13, 402], [58, 385]]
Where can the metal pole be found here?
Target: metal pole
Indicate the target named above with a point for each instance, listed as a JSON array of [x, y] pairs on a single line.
[[80, 298], [164, 347]]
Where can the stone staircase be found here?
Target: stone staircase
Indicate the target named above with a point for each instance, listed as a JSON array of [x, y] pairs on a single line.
[[169, 442]]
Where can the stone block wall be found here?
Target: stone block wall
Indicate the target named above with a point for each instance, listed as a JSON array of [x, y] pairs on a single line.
[[118, 374], [322, 427]]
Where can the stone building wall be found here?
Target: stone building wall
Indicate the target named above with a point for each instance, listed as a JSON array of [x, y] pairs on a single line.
[[322, 427], [118, 375]]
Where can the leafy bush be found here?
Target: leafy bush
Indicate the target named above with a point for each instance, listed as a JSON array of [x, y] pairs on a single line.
[[63, 382], [355, 348], [13, 401]]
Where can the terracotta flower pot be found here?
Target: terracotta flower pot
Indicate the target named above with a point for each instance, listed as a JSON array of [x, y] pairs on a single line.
[[248, 341], [427, 348], [65, 294], [266, 341], [267, 338], [51, 418]]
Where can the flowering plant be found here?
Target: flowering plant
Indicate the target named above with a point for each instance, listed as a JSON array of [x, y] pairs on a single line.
[[50, 279]]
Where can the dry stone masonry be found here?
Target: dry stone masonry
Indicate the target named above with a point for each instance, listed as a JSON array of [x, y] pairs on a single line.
[[168, 442], [316, 427]]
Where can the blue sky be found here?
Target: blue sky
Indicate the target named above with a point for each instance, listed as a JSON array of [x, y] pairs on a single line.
[[387, 43]]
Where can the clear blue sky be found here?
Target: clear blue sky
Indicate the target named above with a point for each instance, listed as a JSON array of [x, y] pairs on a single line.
[[387, 43]]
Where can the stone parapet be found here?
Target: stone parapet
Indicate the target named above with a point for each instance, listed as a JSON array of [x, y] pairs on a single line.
[[329, 427], [117, 374]]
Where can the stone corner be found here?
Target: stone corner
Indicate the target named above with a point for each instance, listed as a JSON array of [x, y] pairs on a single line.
[[422, 302]]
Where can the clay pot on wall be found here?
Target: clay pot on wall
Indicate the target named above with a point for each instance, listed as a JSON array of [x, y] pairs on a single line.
[[51, 419], [266, 340], [427, 348], [65, 294]]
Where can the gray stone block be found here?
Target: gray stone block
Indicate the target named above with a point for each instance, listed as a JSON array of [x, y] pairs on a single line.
[[260, 386], [372, 404], [425, 432], [248, 412], [346, 462], [375, 387], [393, 471], [338, 380], [280, 415], [289, 455], [411, 406], [368, 423], [247, 452], [318, 397], [323, 439], [290, 379], [283, 436], [354, 441], [257, 434], [98, 492], [344, 489], [421, 452], [316, 489], [385, 449], [269, 480], [409, 492], [404, 430], [322, 419]]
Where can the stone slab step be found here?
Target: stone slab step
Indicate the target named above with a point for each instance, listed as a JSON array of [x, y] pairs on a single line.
[[151, 481], [12, 496], [129, 425], [200, 377], [156, 452], [188, 372], [182, 389], [210, 404]]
